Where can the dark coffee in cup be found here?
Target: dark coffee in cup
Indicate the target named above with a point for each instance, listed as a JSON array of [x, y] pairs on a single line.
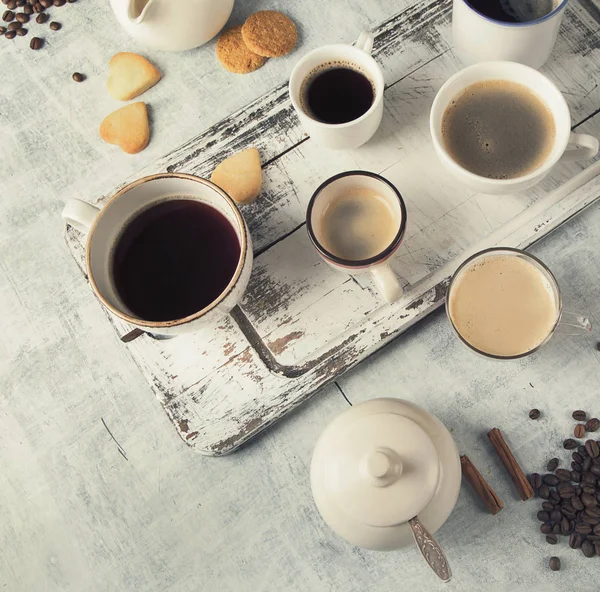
[[498, 129], [173, 259], [514, 11], [337, 92]]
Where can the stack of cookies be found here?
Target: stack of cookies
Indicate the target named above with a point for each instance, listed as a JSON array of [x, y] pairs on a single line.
[[266, 34]]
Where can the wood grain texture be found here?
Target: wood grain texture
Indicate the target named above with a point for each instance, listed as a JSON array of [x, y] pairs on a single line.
[[280, 356]]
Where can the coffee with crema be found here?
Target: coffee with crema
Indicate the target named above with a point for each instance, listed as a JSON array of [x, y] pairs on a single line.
[[498, 129], [503, 305], [358, 224]]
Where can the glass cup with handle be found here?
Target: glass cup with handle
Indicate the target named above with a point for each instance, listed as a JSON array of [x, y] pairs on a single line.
[[504, 303]]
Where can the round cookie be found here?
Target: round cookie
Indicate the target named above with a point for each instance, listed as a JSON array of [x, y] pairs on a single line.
[[269, 33], [234, 55]]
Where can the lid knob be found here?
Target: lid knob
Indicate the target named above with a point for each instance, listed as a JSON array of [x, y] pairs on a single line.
[[382, 466]]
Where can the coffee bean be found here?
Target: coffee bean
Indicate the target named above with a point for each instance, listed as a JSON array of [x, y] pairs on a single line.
[[41, 18], [22, 17], [564, 525], [555, 516], [579, 415], [554, 563], [597, 530], [552, 539], [21, 3], [552, 464], [10, 35], [569, 444], [579, 431], [588, 500], [556, 529], [592, 425], [55, 26], [548, 506], [595, 469], [565, 487], [535, 480], [36, 43], [78, 77], [543, 492], [581, 450], [588, 489], [46, 3], [21, 32], [14, 26], [11, 4], [592, 448], [587, 548], [550, 479], [543, 516], [546, 528], [592, 520], [554, 497], [583, 528], [575, 476], [586, 465], [8, 16], [568, 511], [575, 541], [534, 414], [563, 474], [59, 2], [588, 478], [577, 457], [37, 7], [71, 1], [577, 503], [27, 9], [593, 512]]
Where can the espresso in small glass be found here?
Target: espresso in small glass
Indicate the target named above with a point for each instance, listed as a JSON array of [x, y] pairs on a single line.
[[173, 259], [336, 92]]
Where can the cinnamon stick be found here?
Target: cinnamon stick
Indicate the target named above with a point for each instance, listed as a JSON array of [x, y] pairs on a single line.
[[510, 464], [482, 488]]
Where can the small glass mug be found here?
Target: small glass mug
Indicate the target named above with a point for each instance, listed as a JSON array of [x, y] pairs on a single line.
[[566, 323]]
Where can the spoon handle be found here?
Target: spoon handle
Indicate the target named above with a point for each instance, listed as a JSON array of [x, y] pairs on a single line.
[[431, 551]]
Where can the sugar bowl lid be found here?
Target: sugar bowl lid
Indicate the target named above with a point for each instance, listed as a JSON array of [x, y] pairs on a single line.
[[375, 466]]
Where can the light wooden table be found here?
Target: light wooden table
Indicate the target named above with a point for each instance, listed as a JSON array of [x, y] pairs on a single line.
[[82, 512]]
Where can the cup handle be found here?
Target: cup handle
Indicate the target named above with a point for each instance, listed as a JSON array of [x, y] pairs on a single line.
[[581, 147], [572, 323], [80, 215], [365, 42], [387, 282]]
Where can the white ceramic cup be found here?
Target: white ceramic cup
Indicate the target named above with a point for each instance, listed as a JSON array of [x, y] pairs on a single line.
[[567, 145], [358, 131], [104, 227], [478, 38], [378, 266]]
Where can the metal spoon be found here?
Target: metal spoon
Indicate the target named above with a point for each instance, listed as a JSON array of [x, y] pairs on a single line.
[[431, 551]]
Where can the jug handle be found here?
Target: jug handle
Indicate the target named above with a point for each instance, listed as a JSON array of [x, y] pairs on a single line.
[[134, 14]]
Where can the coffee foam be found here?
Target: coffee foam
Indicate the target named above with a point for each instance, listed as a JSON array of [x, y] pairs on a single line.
[[503, 305]]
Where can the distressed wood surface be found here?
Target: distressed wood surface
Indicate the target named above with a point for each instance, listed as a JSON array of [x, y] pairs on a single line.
[[98, 492], [224, 384]]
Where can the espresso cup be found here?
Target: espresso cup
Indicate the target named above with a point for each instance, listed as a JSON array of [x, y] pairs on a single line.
[[480, 38], [504, 303], [104, 227], [566, 145], [356, 221], [358, 58]]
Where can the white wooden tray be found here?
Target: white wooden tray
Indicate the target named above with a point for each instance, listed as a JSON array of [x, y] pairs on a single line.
[[301, 324]]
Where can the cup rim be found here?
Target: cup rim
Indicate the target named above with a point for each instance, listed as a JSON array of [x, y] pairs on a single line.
[[546, 17], [227, 290], [525, 255], [352, 263], [376, 99], [437, 135]]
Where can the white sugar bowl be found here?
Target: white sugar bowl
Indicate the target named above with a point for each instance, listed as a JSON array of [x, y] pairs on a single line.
[[378, 465]]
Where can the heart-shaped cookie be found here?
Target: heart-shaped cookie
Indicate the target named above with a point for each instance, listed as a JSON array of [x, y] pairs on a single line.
[[130, 75], [127, 127], [240, 176]]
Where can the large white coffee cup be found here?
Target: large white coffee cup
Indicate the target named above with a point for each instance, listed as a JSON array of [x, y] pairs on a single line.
[[104, 227], [478, 38], [340, 136], [567, 145]]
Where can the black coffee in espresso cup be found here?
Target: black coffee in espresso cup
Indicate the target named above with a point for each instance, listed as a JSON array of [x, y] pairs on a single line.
[[514, 11]]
